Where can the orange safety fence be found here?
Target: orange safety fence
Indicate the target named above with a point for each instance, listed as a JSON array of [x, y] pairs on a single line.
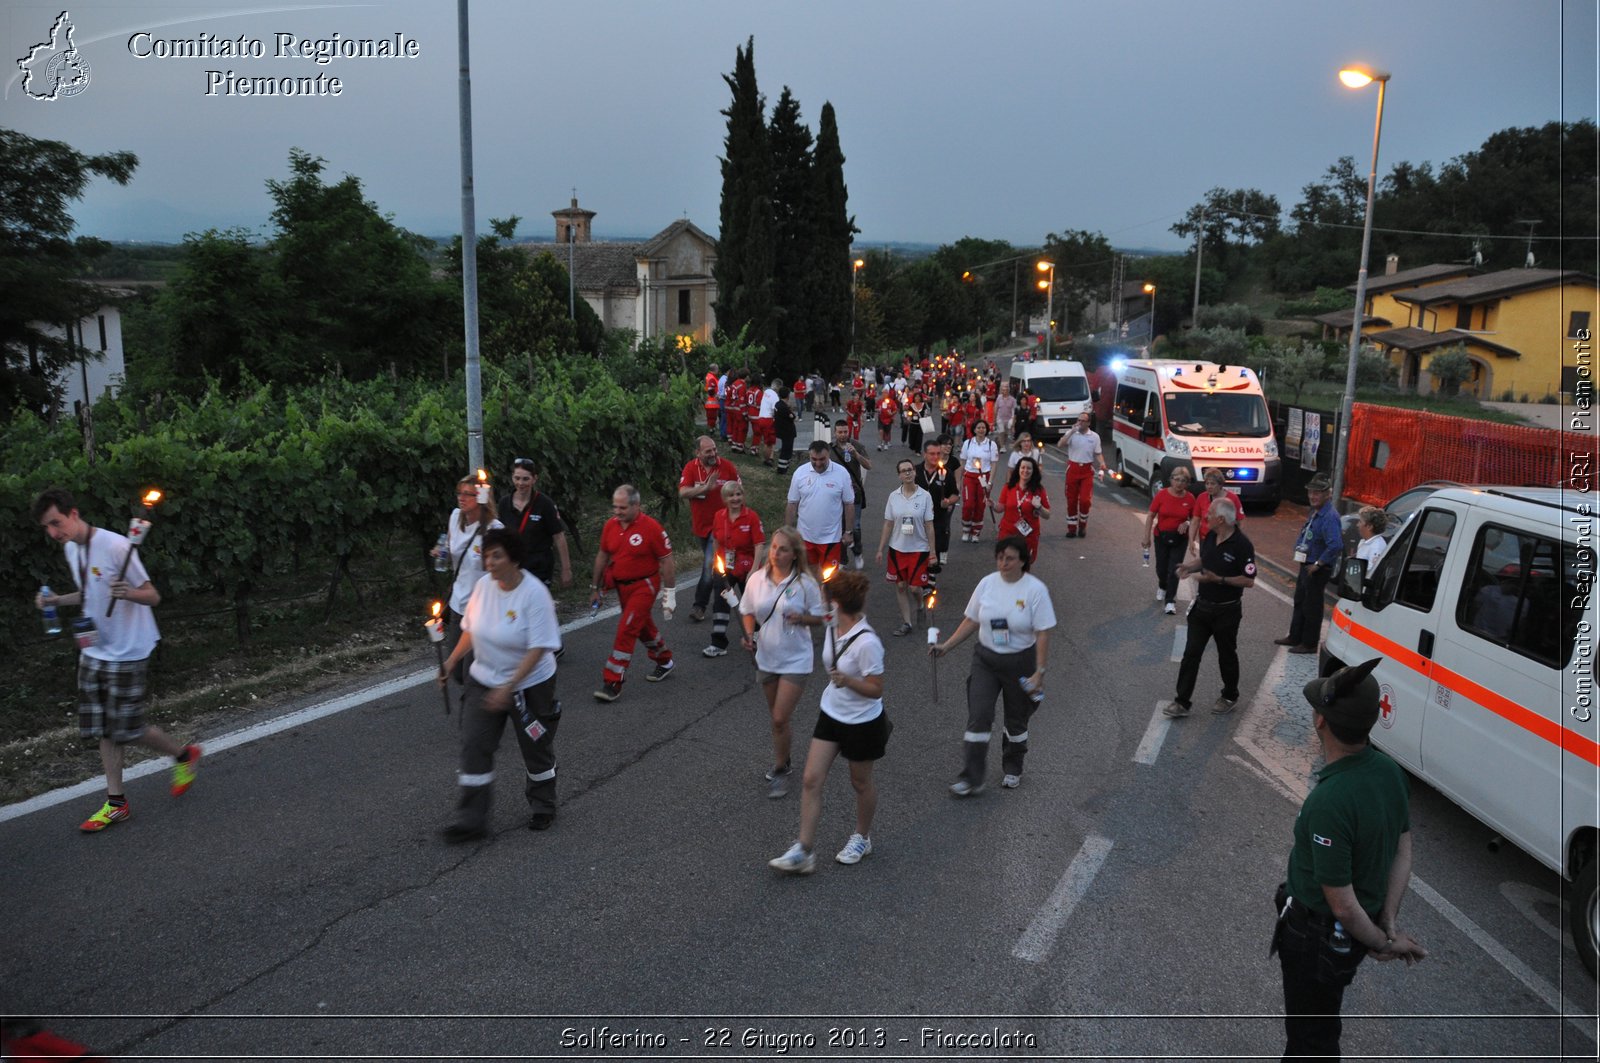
[[1392, 450]]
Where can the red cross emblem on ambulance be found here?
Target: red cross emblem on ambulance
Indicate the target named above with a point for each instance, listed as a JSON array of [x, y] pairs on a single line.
[[1386, 705]]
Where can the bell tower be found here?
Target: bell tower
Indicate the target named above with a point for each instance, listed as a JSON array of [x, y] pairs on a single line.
[[572, 223]]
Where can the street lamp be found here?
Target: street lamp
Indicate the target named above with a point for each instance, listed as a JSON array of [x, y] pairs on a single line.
[[855, 270], [1356, 77], [1049, 288], [1150, 290]]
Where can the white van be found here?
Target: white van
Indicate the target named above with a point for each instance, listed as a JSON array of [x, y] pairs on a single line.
[[1063, 389], [1198, 416], [1481, 609]]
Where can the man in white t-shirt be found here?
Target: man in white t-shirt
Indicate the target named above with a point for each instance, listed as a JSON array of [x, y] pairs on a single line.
[[116, 634], [822, 506], [765, 431], [1082, 445]]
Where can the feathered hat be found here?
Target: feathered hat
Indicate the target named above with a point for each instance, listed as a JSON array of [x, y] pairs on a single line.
[[1348, 697]]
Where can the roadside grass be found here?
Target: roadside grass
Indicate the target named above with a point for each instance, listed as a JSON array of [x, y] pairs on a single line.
[[1331, 392]]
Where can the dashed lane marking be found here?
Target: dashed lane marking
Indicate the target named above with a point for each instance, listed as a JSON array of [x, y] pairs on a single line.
[[1154, 735]]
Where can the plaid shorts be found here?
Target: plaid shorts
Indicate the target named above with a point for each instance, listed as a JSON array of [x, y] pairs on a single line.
[[111, 698]]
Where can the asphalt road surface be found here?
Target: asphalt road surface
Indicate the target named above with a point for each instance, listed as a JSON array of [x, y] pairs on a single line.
[[299, 902]]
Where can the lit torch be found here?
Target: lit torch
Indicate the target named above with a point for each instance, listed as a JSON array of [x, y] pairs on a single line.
[[485, 492], [435, 628], [138, 528]]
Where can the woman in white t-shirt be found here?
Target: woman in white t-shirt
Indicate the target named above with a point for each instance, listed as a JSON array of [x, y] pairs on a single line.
[[509, 626], [852, 723], [908, 535], [1012, 614], [782, 602], [978, 455], [464, 553]]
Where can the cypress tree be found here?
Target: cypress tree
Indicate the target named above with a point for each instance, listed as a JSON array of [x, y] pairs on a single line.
[[794, 232], [745, 240], [829, 266]]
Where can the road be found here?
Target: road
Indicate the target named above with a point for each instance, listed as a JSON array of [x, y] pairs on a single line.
[[299, 901]]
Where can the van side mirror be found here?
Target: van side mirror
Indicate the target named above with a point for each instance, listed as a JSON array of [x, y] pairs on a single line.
[[1352, 578], [1150, 427], [1094, 394]]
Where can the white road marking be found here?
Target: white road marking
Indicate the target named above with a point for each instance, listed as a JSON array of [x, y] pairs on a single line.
[[1040, 937], [1262, 585], [265, 729], [1179, 636], [1154, 735], [1270, 780]]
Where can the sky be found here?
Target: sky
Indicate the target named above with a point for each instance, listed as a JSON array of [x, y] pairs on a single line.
[[1005, 120]]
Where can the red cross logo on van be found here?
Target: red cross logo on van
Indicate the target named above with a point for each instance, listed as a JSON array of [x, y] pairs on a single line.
[[1386, 705]]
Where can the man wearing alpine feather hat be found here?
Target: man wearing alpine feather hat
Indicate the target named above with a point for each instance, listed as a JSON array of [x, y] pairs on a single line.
[[1348, 869]]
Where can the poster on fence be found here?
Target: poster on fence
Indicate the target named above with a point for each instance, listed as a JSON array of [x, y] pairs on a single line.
[[1291, 438], [1312, 441]]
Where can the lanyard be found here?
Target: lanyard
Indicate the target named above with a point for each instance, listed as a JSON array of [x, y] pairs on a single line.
[[83, 565], [527, 512]]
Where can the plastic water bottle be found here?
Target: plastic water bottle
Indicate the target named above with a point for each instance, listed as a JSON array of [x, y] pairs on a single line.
[[1147, 557], [1034, 693], [1340, 941], [441, 559], [52, 622]]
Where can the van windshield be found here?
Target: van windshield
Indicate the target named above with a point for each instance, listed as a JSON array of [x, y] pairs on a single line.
[[1060, 388], [1217, 414]]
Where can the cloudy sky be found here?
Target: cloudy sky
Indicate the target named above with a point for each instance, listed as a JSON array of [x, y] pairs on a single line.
[[1006, 119]]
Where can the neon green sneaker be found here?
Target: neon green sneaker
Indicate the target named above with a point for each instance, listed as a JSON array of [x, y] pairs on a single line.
[[183, 771], [108, 814]]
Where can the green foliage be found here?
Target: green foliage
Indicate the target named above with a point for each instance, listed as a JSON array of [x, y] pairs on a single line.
[[1291, 366], [1221, 344], [1450, 369], [40, 263], [261, 480], [1324, 300], [829, 267], [1235, 316], [746, 243]]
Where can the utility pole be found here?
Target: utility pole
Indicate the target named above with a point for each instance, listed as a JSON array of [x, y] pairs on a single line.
[[469, 249]]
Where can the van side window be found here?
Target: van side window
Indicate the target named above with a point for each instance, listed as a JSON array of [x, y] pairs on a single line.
[[1419, 581], [1131, 402], [1517, 584]]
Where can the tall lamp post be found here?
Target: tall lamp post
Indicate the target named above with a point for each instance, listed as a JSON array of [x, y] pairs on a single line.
[[1356, 77], [1150, 290], [855, 271], [1049, 287]]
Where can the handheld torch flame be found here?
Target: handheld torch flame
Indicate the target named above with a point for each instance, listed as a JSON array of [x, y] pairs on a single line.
[[151, 497], [720, 565], [437, 607], [828, 571]]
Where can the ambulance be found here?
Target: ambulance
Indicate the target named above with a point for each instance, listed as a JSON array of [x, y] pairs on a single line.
[[1062, 386], [1199, 416], [1483, 613]]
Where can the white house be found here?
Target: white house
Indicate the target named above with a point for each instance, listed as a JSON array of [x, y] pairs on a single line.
[[99, 336]]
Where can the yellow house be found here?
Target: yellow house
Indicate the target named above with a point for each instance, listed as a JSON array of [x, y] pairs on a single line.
[[1516, 325]]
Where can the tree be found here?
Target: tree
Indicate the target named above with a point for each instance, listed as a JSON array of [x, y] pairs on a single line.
[[1294, 365], [362, 289], [1450, 369], [833, 231], [221, 316], [793, 231], [40, 262], [745, 243], [1083, 272], [1231, 218]]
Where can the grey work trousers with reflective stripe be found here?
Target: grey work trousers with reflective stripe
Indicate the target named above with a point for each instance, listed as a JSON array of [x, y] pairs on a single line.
[[480, 735], [995, 675]]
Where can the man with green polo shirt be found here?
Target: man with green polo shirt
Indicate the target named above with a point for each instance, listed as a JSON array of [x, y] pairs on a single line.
[[1348, 869]]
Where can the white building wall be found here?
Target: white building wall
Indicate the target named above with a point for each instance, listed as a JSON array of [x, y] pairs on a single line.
[[103, 373]]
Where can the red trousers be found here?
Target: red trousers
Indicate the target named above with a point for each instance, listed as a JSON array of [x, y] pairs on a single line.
[[1080, 491], [736, 429], [974, 501], [635, 626], [713, 411]]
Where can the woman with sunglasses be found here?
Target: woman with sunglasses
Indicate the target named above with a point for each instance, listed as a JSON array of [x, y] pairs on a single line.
[[536, 520], [464, 552]]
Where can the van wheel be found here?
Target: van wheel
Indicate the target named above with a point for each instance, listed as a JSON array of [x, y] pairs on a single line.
[[1585, 915], [1155, 485]]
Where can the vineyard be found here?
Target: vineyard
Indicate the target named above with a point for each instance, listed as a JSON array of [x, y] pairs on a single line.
[[340, 487]]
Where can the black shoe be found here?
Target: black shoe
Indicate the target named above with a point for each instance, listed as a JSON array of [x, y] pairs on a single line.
[[456, 833], [1286, 641], [541, 820]]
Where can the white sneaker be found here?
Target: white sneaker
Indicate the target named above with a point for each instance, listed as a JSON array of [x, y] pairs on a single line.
[[714, 651], [860, 562], [1160, 594], [1170, 609], [962, 788], [854, 850], [794, 862], [1011, 782]]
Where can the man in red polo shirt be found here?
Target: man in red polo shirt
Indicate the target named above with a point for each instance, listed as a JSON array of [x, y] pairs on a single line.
[[636, 558], [701, 483]]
